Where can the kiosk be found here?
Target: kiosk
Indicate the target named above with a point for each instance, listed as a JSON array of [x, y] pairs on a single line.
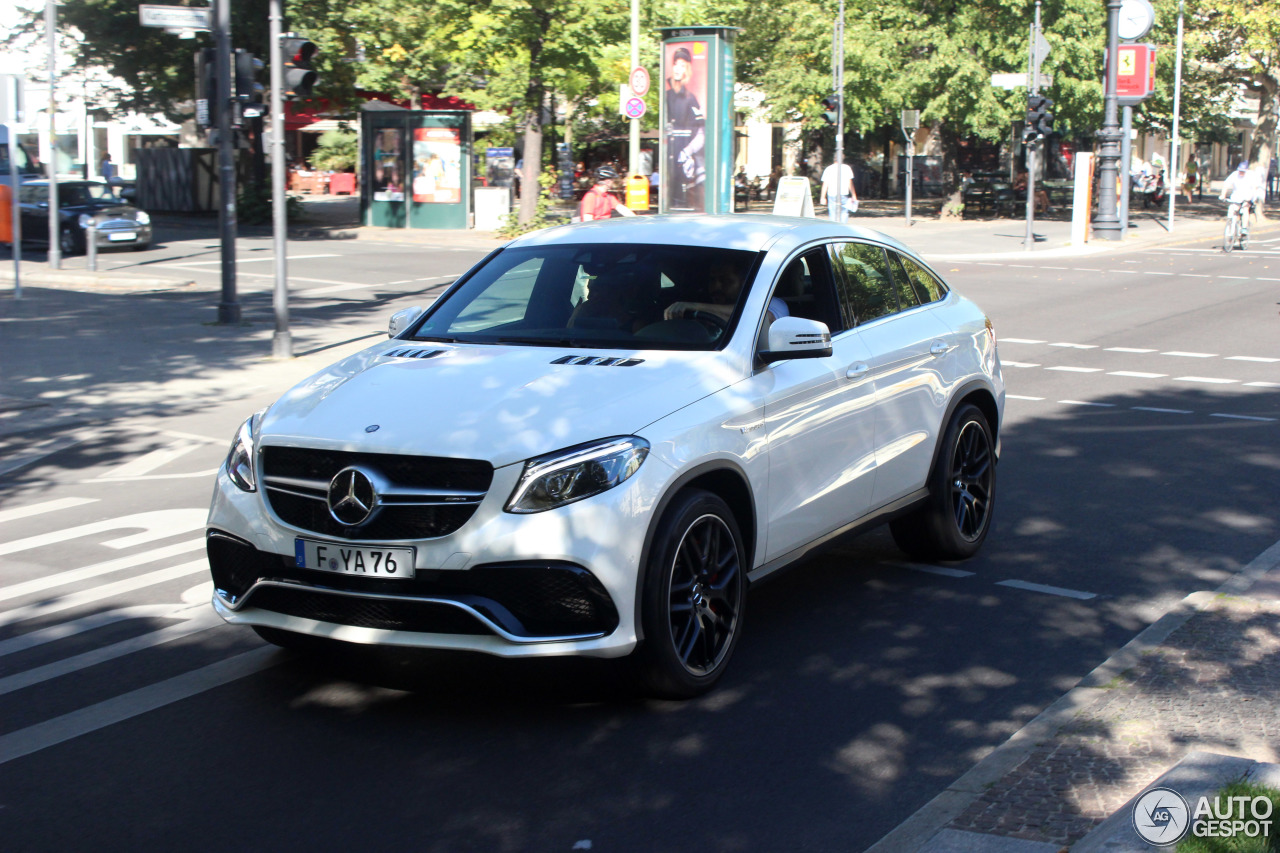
[[416, 169], [696, 120]]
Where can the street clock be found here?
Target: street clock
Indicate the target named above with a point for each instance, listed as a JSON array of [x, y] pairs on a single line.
[[1136, 19]]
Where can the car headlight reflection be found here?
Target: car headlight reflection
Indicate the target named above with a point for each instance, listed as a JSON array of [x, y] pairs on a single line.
[[579, 472], [142, 217], [240, 458], [85, 220]]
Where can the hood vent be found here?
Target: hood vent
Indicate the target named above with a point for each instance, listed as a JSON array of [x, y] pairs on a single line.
[[412, 352], [598, 361]]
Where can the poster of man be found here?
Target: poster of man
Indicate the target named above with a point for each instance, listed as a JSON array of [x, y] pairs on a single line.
[[685, 175], [437, 165]]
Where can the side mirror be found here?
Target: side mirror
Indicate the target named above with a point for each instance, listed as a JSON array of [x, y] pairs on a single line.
[[402, 320], [796, 337]]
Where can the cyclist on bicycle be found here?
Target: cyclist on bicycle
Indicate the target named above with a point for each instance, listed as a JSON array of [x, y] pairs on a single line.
[[1242, 190]]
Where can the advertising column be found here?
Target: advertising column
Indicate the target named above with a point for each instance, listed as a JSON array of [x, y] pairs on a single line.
[[696, 136]]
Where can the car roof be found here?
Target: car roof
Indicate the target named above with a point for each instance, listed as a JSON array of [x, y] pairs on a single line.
[[78, 182], [753, 232]]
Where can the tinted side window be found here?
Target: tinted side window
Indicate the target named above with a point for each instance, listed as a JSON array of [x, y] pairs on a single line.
[[862, 277], [807, 289], [908, 296], [927, 288]]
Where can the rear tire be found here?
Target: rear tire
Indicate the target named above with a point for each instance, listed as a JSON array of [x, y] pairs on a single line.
[[1230, 233], [693, 598], [955, 519]]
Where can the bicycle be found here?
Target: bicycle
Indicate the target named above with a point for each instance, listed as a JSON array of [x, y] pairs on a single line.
[[1237, 228]]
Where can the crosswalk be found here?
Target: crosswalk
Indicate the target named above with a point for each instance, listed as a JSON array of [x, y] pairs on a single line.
[[149, 589]]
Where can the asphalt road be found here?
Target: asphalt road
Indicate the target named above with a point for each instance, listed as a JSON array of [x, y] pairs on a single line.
[[1139, 465]]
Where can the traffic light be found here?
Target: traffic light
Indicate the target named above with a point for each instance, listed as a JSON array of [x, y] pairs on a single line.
[[206, 88], [1045, 125], [831, 109], [296, 53], [245, 68], [1039, 118]]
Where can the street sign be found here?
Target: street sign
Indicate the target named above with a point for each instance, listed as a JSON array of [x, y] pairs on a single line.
[[635, 107], [639, 81], [1018, 80], [175, 17], [1135, 73], [1042, 48]]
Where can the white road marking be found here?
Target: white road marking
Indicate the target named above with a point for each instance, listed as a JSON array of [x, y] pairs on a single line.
[[1087, 403], [98, 481], [148, 462], [49, 733], [1020, 397], [1163, 411], [1241, 417], [1053, 268], [1153, 272], [1252, 358], [158, 524], [202, 618], [1085, 269], [1193, 275], [44, 582], [89, 596], [1017, 364], [1128, 349], [1049, 590], [42, 451], [1076, 369], [1181, 354], [1262, 384], [41, 508], [1136, 374], [193, 437], [1075, 346], [938, 570], [92, 622], [1019, 341], [1234, 277], [268, 259], [1205, 380]]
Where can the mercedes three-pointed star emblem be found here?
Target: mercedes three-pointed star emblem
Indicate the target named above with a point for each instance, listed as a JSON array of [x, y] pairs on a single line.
[[351, 497]]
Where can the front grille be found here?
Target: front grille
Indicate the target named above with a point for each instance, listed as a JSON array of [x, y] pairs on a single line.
[[387, 614], [433, 496], [547, 599]]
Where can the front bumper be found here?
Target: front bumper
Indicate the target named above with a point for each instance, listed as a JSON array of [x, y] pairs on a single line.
[[553, 583], [122, 233]]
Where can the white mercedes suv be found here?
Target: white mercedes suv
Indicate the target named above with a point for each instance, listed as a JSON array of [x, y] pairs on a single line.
[[596, 439]]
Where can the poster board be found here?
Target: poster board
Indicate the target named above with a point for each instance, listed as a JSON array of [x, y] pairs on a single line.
[[794, 197]]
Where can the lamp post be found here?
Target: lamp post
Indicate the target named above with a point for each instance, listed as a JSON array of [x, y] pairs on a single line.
[[1107, 222]]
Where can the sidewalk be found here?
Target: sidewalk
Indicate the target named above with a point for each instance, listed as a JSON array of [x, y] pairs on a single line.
[[1190, 704]]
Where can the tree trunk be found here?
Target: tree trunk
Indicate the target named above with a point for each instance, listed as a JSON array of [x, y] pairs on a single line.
[[1265, 132], [530, 189]]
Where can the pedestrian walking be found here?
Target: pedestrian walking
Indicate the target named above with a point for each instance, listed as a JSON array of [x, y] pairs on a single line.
[[108, 170], [1192, 178], [837, 192]]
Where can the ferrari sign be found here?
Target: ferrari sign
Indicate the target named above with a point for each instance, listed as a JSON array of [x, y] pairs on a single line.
[[1135, 73]]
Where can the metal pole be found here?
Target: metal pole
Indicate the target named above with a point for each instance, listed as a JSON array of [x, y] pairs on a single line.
[[91, 246], [1174, 153], [228, 308], [51, 168], [1029, 241], [1126, 158], [838, 71], [633, 142], [1107, 223], [911, 167], [281, 341]]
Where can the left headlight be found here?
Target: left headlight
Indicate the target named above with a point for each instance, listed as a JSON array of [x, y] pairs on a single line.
[[579, 472], [240, 458], [142, 217], [85, 220]]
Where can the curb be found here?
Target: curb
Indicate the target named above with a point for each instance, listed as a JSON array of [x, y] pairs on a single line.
[[931, 819]]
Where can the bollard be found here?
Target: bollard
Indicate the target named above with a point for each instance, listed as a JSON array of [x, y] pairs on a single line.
[[91, 245]]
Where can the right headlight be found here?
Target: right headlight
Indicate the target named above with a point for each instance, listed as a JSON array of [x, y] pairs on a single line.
[[240, 457], [579, 472]]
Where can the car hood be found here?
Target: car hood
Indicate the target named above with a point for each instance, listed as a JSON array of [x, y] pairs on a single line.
[[500, 403]]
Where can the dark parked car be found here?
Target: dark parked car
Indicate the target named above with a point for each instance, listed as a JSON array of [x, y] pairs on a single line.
[[81, 203]]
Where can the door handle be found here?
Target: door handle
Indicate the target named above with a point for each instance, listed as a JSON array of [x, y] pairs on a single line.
[[939, 348], [856, 371]]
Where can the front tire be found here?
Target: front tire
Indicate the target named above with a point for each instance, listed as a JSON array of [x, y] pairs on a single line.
[[693, 597], [1230, 233], [953, 523]]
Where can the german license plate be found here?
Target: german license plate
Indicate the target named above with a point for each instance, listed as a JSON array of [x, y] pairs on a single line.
[[392, 563], [122, 236]]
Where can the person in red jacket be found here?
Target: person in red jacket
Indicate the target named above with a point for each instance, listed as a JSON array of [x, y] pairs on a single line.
[[599, 203]]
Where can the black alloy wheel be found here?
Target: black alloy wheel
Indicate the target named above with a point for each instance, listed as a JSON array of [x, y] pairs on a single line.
[[954, 521], [68, 243], [694, 597]]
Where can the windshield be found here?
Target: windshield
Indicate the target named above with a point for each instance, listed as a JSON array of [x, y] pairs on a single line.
[[73, 194], [628, 296]]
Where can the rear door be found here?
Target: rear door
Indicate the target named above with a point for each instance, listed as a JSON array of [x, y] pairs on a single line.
[[909, 347]]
